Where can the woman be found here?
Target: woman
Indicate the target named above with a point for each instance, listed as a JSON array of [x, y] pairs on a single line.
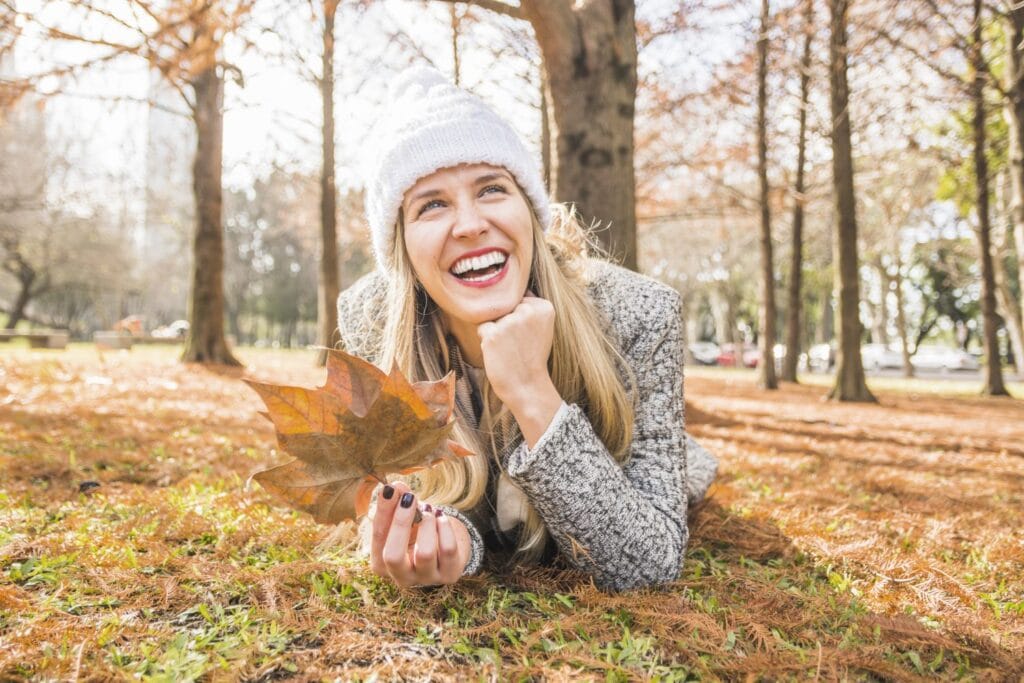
[[569, 369]]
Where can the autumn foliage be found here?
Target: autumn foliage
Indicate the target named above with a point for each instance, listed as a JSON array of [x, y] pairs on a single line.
[[840, 542], [350, 433]]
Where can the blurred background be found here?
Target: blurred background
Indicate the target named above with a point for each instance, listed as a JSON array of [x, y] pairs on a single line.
[[835, 185]]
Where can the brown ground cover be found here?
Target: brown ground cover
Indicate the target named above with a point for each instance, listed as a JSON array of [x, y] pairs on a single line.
[[841, 541]]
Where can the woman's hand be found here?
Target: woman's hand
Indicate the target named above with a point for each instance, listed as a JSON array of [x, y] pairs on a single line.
[[435, 551], [516, 348]]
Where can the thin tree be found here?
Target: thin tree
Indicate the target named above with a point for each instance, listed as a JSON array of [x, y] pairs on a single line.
[[183, 41], [206, 342], [589, 58], [850, 384], [1014, 112], [795, 298], [767, 379], [329, 285], [990, 323]]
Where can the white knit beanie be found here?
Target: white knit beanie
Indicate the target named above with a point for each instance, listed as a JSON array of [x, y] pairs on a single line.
[[430, 124]]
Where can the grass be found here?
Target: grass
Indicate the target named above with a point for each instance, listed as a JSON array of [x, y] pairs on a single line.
[[840, 541]]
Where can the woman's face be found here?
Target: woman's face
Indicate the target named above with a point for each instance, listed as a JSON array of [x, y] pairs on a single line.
[[469, 238]]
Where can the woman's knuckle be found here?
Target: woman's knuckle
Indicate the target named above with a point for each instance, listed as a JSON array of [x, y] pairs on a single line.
[[393, 559]]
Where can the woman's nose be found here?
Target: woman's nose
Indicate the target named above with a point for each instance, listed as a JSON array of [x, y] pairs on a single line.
[[469, 222]]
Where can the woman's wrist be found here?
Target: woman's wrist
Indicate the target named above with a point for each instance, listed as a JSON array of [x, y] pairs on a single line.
[[534, 408]]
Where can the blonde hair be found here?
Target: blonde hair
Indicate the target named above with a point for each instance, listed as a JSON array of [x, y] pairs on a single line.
[[583, 364]]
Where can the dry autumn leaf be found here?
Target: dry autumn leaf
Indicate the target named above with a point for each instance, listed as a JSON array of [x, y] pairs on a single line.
[[350, 433]]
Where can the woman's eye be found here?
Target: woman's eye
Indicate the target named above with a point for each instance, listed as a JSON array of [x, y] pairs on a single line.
[[427, 206], [488, 189]]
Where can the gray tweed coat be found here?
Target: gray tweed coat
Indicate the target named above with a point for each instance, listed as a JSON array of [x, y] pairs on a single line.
[[625, 524]]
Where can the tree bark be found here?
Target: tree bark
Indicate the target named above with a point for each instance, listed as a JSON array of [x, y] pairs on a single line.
[[329, 283], [849, 384], [766, 337], [589, 53], [796, 263], [990, 323], [206, 342], [1014, 111]]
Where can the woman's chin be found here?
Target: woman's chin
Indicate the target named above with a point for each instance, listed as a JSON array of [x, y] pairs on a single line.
[[483, 312]]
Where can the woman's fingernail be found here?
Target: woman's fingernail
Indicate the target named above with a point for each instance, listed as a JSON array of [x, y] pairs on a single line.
[[389, 491], [427, 508], [438, 512], [406, 500]]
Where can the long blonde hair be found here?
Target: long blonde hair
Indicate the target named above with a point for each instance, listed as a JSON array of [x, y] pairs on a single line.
[[584, 364]]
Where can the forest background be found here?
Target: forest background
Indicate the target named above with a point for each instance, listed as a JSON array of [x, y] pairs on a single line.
[[738, 201], [810, 175]]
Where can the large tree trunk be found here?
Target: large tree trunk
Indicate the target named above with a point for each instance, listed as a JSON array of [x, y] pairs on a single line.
[[990, 323], [766, 374], [329, 284], [206, 342], [850, 384], [589, 52], [796, 263]]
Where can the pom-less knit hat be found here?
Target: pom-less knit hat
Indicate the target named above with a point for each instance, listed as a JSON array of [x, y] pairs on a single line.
[[430, 124]]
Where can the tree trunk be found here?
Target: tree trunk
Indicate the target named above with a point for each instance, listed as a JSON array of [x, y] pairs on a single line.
[[17, 312], [329, 284], [850, 384], [880, 314], [206, 342], [990, 323], [589, 53], [766, 372], [901, 315], [1006, 304], [796, 264], [724, 311], [1015, 118], [545, 129]]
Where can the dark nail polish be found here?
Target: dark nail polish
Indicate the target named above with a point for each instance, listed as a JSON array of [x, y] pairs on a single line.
[[427, 508], [406, 500], [389, 491], [438, 512]]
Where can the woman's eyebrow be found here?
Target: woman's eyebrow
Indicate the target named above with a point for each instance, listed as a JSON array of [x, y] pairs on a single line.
[[488, 177], [423, 195]]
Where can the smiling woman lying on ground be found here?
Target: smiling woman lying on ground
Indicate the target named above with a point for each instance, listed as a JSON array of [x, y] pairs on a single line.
[[569, 368]]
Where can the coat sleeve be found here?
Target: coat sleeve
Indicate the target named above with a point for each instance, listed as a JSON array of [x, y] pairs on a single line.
[[625, 524]]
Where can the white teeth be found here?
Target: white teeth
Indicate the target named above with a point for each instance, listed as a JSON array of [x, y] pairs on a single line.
[[477, 262]]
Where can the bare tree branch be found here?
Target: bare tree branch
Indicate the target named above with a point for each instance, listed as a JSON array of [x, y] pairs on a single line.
[[495, 6]]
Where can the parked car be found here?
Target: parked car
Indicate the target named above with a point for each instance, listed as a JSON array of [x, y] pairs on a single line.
[[735, 355], [176, 330], [936, 357], [705, 352], [880, 357], [821, 358]]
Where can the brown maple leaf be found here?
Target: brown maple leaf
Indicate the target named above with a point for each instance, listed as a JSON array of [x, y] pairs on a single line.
[[350, 433]]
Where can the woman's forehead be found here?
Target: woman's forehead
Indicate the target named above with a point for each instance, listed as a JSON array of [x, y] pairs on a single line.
[[462, 173]]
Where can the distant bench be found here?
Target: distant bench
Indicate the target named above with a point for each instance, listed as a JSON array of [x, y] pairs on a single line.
[[39, 339]]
